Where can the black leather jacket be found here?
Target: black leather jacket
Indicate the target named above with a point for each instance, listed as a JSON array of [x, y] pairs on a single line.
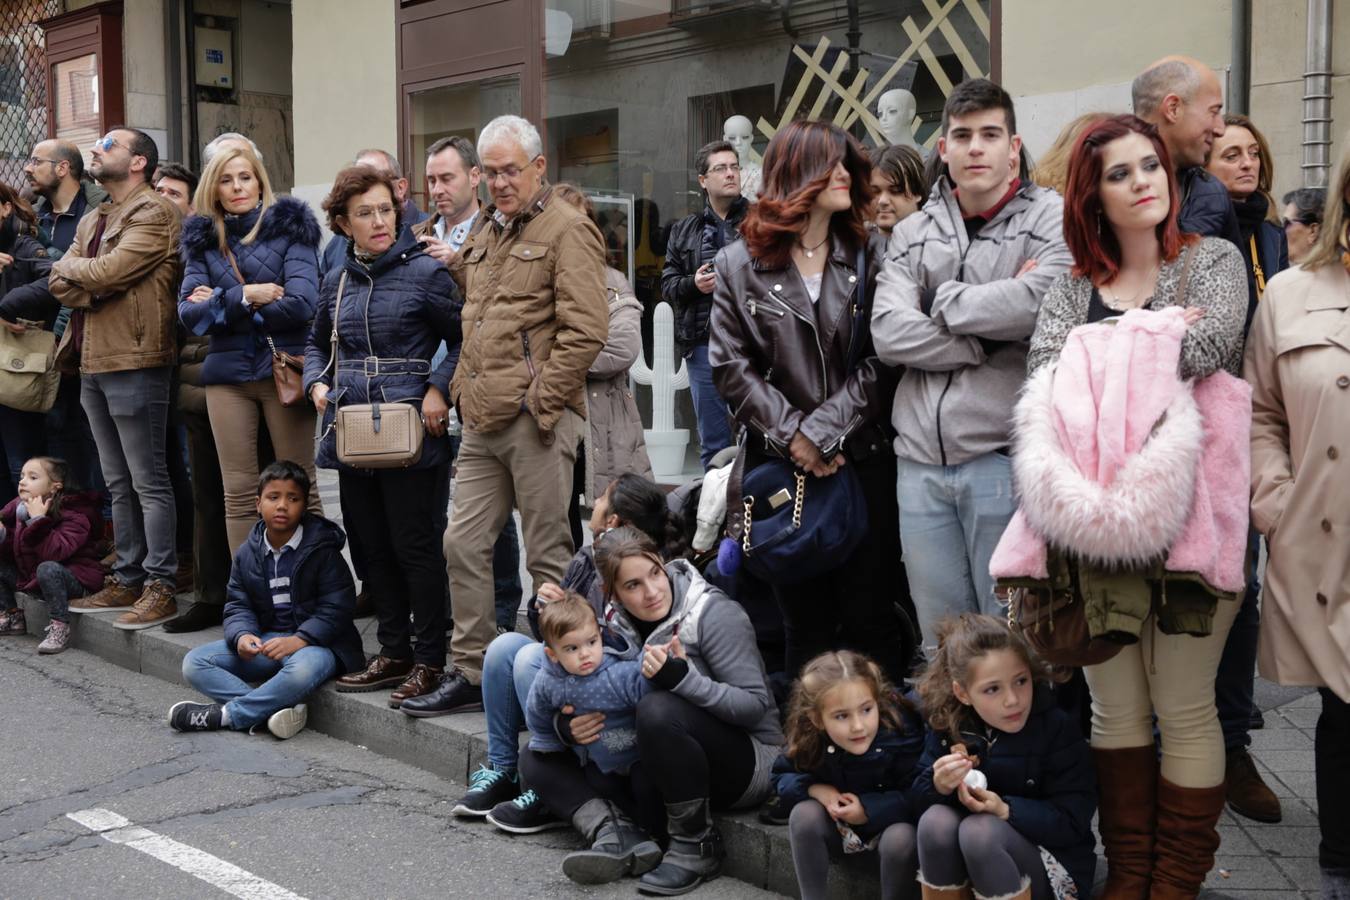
[[684, 254], [781, 361]]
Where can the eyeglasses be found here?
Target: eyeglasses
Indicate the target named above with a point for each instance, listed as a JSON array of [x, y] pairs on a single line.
[[38, 160], [724, 168], [366, 213], [106, 143], [510, 173]]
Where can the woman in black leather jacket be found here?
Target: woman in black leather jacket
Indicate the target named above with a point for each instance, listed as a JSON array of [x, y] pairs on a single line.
[[782, 323]]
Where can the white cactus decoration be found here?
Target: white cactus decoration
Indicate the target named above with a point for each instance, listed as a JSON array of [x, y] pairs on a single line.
[[665, 442]]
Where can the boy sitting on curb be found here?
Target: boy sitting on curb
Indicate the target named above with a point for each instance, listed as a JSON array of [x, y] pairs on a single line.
[[288, 619]]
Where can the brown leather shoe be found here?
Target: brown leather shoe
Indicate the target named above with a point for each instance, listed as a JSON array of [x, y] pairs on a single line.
[[1248, 794], [155, 605], [1127, 786], [423, 679], [380, 672], [111, 598]]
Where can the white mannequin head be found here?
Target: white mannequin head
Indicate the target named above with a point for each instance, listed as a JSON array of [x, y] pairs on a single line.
[[737, 131], [895, 111]]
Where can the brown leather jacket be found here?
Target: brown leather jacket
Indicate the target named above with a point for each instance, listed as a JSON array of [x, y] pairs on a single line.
[[535, 316], [129, 291], [781, 361]]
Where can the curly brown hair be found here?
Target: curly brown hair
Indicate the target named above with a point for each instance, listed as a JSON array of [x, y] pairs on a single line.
[[806, 738], [962, 640], [354, 181]]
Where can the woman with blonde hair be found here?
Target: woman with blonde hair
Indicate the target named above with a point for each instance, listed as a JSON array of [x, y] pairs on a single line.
[[1297, 362], [1052, 169], [251, 283]]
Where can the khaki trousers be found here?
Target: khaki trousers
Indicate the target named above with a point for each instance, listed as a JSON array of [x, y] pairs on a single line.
[[494, 472], [235, 410], [1171, 675]]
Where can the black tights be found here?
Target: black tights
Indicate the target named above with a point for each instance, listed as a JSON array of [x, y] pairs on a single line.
[[956, 846], [815, 839], [686, 752]]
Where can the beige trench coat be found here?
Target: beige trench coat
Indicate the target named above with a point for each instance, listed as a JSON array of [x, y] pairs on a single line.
[[1298, 362], [615, 444]]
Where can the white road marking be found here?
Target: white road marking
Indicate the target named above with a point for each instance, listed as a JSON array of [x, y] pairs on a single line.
[[197, 863]]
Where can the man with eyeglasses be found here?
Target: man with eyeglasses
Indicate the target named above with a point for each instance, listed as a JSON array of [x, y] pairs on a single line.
[[121, 276], [687, 283], [55, 171], [535, 317]]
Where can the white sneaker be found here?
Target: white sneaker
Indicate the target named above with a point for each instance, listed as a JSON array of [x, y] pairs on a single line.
[[288, 722]]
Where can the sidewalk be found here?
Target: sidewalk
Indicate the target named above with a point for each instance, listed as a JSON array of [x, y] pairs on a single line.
[[1254, 861]]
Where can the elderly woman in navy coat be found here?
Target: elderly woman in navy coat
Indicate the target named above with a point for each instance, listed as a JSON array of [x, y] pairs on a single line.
[[391, 305]]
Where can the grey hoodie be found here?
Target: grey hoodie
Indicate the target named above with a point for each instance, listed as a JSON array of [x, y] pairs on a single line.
[[726, 674], [952, 312]]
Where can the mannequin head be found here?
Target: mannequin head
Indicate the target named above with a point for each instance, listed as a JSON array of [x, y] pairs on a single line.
[[895, 111], [737, 132]]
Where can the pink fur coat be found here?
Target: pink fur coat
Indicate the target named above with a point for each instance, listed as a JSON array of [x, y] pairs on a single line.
[[1119, 461]]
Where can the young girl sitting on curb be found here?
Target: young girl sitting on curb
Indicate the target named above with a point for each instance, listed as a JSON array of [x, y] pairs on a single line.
[[48, 547]]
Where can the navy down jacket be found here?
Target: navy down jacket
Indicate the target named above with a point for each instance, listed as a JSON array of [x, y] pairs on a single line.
[[323, 595], [880, 777], [285, 253], [399, 308], [1043, 772]]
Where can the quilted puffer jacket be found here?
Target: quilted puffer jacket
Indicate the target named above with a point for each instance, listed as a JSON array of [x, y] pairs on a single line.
[[399, 308], [284, 253]]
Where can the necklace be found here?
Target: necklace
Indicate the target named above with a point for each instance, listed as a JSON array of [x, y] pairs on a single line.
[[1120, 304], [811, 251]]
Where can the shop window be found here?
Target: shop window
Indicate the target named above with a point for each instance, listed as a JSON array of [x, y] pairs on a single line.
[[453, 109], [84, 73]]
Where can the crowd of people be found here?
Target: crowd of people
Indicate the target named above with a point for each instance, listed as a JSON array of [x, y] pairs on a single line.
[[990, 449]]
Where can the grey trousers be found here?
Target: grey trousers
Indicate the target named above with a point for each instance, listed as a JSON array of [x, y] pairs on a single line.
[[128, 414]]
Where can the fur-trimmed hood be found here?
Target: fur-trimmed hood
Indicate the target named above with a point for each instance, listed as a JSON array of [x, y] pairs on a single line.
[[288, 219]]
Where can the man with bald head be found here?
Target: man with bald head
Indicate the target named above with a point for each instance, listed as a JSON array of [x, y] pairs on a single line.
[[335, 251], [54, 170], [1182, 98]]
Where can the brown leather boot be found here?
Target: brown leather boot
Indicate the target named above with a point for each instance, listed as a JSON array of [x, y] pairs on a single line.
[[423, 679], [963, 892], [1186, 839], [1248, 794], [1127, 790], [380, 672]]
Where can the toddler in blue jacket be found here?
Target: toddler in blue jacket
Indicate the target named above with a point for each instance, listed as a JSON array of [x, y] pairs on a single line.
[[582, 673]]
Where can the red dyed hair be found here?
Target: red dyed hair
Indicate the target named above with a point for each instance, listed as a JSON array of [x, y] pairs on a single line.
[[797, 167], [1091, 240]]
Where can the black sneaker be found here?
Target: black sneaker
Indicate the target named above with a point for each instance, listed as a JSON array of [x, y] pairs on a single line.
[[188, 716], [775, 812], [487, 788], [526, 814]]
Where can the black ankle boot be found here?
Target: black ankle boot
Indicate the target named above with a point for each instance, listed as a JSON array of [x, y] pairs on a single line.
[[618, 846], [695, 854], [201, 616]]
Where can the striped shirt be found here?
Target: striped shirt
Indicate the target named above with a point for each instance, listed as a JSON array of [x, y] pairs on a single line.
[[279, 565]]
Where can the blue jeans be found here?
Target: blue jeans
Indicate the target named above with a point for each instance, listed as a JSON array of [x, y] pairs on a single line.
[[1235, 684], [509, 667], [714, 430], [128, 414], [224, 676], [951, 519]]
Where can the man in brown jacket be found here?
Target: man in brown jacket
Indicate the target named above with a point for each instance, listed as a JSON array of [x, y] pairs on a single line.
[[121, 278], [535, 317]]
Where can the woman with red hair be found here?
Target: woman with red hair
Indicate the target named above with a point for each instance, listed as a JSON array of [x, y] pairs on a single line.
[[791, 352], [1167, 627]]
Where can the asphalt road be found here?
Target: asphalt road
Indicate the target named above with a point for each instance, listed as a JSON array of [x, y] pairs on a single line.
[[310, 817]]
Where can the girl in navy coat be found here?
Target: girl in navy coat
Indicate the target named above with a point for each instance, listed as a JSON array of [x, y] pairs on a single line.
[[250, 283], [852, 752], [1006, 789]]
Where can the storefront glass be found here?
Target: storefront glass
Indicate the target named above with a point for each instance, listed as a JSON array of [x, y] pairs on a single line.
[[460, 109]]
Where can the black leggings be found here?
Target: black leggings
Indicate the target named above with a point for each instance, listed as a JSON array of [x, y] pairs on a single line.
[[686, 752], [956, 846], [815, 839]]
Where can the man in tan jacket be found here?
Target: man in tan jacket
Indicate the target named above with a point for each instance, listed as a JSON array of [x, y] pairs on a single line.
[[121, 278], [535, 317]]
